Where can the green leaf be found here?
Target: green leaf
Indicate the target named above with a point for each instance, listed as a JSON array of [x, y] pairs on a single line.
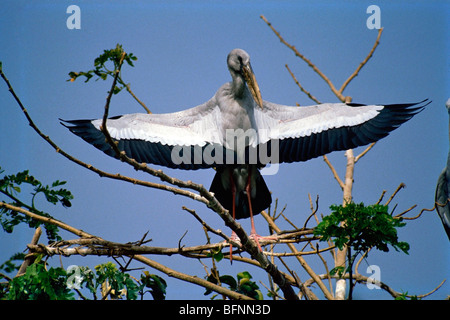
[[229, 280], [243, 285], [337, 270], [217, 254], [103, 69], [154, 282], [244, 275], [117, 89]]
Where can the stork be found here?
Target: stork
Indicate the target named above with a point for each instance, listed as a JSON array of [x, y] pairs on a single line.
[[238, 133]]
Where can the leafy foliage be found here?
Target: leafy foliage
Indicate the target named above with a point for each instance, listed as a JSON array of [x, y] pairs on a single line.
[[10, 186], [38, 283], [9, 266], [120, 284], [242, 284], [404, 296], [155, 283], [217, 254], [113, 56], [362, 228]]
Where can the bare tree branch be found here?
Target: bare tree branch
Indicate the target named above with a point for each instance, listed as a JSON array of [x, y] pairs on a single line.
[[37, 217], [401, 186], [127, 86], [363, 279], [312, 65], [363, 63], [335, 174], [192, 279], [300, 259], [301, 87], [30, 259], [362, 154]]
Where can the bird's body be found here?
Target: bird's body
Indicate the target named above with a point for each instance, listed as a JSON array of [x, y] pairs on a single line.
[[238, 175], [237, 133]]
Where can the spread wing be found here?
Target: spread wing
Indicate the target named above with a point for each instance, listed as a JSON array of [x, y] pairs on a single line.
[[302, 133], [193, 138], [174, 140]]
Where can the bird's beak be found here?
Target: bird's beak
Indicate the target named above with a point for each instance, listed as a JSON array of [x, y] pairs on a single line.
[[252, 84]]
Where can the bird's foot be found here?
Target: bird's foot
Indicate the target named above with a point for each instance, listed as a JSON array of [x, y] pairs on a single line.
[[257, 238], [234, 238]]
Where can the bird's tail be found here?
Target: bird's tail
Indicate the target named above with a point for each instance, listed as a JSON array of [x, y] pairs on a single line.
[[260, 200]]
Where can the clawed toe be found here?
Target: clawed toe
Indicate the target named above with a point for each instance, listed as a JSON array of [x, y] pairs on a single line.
[[257, 238]]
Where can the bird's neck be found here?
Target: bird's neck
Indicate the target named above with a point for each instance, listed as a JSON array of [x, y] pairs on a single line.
[[238, 85]]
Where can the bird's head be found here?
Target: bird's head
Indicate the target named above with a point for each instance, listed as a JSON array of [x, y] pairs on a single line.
[[239, 63]]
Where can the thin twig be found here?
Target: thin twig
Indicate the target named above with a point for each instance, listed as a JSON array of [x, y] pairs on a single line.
[[301, 87], [416, 217], [362, 154], [401, 186], [312, 65], [325, 264], [381, 197], [364, 279], [206, 226], [362, 64], [127, 86], [335, 174], [361, 259], [298, 253], [313, 211]]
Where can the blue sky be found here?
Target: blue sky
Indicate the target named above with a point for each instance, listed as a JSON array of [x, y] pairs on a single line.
[[181, 50]]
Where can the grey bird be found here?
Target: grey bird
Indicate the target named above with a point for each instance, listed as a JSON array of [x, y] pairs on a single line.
[[442, 195], [238, 133]]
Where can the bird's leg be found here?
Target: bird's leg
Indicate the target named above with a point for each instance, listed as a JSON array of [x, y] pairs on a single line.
[[233, 210], [253, 234]]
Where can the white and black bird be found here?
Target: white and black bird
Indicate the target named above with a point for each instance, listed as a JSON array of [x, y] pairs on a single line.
[[237, 133]]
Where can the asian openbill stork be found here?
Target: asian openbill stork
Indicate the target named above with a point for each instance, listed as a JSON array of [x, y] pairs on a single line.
[[230, 131]]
